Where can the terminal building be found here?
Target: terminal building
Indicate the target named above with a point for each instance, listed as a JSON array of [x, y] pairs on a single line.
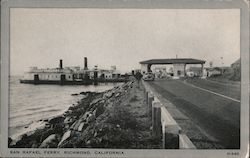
[[179, 65]]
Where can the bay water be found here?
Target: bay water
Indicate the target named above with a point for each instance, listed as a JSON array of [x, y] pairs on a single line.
[[29, 104]]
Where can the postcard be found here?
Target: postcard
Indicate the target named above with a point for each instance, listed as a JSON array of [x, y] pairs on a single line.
[[125, 78]]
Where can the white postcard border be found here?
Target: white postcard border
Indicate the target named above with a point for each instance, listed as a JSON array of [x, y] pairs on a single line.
[[142, 4]]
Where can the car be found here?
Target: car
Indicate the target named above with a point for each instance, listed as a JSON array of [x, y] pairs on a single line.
[[149, 76]]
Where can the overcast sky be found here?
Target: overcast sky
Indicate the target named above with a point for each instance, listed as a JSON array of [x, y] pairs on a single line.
[[121, 37]]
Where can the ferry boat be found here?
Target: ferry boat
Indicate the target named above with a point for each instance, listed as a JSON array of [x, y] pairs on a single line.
[[72, 75]]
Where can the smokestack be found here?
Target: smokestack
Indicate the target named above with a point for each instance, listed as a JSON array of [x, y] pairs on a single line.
[[61, 64], [85, 63]]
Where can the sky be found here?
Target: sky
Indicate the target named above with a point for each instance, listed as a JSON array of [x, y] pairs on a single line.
[[122, 37]]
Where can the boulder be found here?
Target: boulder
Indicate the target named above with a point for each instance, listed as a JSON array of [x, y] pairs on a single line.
[[50, 142], [35, 145], [85, 93], [117, 94], [80, 127], [65, 136], [73, 125], [90, 118], [99, 110], [58, 128], [88, 142], [77, 124], [68, 120], [95, 101], [108, 95], [56, 120], [47, 125], [66, 126], [9, 140]]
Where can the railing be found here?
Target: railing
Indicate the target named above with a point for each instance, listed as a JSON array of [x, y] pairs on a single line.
[[164, 125]]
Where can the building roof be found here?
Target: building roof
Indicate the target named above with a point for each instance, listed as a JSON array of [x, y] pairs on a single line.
[[173, 61], [237, 62]]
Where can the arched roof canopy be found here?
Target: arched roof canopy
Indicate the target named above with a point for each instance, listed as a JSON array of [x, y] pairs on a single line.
[[173, 61]]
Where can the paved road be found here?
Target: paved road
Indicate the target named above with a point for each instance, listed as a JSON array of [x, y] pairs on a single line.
[[217, 115]]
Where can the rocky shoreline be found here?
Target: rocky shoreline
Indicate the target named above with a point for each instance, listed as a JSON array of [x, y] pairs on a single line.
[[116, 118]]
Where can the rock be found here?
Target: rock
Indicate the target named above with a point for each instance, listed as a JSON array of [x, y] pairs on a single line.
[[72, 126], [65, 136], [90, 118], [35, 145], [9, 140], [99, 140], [99, 110], [85, 93], [68, 120], [117, 94], [66, 126], [95, 101], [47, 125], [80, 126], [108, 95], [56, 120], [58, 128], [102, 101], [74, 94], [50, 141], [77, 125], [88, 142], [69, 111]]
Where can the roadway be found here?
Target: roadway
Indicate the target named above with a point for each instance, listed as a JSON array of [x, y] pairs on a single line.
[[212, 106]]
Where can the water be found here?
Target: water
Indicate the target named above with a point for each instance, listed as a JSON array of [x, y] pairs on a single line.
[[30, 103]]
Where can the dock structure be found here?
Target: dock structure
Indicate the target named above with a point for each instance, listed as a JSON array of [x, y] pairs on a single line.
[[179, 65]]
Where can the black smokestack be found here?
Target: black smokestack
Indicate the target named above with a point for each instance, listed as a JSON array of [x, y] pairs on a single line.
[[61, 64], [85, 63]]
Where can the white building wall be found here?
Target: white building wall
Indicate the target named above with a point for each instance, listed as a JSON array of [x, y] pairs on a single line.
[[180, 68], [108, 75], [144, 68], [50, 76], [69, 77]]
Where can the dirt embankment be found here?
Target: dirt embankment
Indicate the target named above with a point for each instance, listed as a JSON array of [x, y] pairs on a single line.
[[116, 118]]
